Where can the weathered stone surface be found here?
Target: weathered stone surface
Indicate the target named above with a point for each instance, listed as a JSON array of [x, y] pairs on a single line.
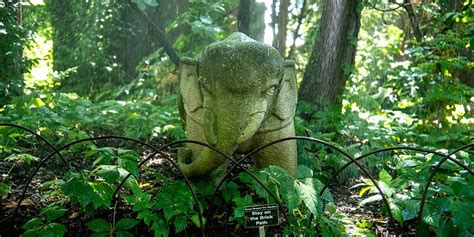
[[237, 95]]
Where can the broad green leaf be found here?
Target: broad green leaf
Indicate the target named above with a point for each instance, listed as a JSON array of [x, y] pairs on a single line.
[[123, 234], [160, 228], [180, 223], [54, 229], [385, 177], [304, 172], [308, 195], [195, 219], [31, 232], [109, 173], [35, 222], [229, 191], [98, 225], [126, 224], [396, 212], [52, 213], [102, 194], [411, 209]]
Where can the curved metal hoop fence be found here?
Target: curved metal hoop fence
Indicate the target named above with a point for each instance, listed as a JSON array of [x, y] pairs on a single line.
[[237, 164]]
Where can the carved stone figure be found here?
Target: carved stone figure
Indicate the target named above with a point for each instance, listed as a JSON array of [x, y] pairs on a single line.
[[237, 95]]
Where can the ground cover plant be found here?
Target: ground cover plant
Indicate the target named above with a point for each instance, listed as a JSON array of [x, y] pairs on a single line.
[[98, 80]]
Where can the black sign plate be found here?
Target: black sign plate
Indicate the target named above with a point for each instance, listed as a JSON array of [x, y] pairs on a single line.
[[263, 215]]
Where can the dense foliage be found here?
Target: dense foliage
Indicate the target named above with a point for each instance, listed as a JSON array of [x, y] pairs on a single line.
[[402, 92]]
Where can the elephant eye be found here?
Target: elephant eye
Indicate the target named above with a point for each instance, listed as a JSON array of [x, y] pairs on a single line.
[[270, 91]]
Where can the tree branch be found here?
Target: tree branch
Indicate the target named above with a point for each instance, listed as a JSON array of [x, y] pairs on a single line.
[[162, 39], [413, 20], [301, 16]]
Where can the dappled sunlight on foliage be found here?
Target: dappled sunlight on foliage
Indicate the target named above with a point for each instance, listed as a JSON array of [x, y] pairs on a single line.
[[72, 70]]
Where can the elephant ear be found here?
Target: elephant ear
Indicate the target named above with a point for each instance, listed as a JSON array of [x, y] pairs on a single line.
[[284, 107], [190, 100]]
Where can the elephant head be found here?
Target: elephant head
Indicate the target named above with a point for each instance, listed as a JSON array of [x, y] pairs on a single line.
[[235, 89]]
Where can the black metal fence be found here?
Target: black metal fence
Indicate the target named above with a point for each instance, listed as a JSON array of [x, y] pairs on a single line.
[[238, 165]]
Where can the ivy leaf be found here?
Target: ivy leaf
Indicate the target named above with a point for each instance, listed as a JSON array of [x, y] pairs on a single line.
[[98, 225], [126, 224]]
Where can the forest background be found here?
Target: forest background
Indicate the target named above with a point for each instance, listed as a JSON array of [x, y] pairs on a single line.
[[397, 73]]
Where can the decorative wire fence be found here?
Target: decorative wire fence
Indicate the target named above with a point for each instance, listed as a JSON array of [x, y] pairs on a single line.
[[237, 164]]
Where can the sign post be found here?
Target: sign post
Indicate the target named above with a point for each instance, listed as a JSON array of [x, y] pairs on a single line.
[[261, 216]]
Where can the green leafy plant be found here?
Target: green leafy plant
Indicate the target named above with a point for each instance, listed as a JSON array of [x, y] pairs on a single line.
[[103, 228], [45, 225]]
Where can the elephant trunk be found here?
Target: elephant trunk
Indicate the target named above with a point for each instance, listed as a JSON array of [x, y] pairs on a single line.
[[222, 137]]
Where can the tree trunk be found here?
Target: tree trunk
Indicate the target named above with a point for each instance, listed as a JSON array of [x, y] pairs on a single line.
[[413, 20], [333, 54], [282, 21], [243, 18]]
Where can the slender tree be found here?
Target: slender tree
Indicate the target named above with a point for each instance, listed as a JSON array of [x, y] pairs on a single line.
[[244, 15], [333, 54], [282, 21]]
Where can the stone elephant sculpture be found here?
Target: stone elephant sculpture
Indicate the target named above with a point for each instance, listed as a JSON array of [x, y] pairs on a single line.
[[237, 95]]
